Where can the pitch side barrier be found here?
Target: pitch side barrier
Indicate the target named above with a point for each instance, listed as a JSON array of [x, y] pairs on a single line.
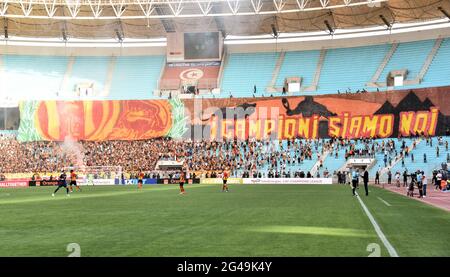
[[14, 184], [96, 182], [296, 181], [154, 181]]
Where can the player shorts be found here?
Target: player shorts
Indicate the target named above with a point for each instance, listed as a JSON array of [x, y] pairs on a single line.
[[225, 182], [181, 184], [62, 184], [140, 182], [73, 183]]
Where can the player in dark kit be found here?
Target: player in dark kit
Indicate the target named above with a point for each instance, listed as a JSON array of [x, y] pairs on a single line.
[[62, 183], [182, 181], [73, 181]]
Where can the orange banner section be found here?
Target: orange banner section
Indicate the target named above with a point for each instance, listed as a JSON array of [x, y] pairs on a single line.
[[103, 120], [318, 117]]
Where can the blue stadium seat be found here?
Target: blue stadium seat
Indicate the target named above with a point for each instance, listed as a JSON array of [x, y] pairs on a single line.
[[244, 70], [33, 77], [136, 77], [299, 63], [89, 69], [352, 68], [410, 56], [439, 71]]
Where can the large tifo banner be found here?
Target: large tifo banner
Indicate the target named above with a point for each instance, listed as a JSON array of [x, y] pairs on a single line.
[[100, 120], [376, 114]]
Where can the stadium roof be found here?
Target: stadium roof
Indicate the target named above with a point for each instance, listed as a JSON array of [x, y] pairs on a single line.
[[154, 18]]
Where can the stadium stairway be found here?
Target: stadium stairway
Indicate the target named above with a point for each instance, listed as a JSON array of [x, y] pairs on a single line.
[[383, 64], [438, 71], [396, 159], [401, 59], [331, 163], [316, 167], [426, 65], [433, 161], [271, 87]]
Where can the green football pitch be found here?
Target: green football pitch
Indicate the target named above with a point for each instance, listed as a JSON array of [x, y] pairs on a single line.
[[250, 220]]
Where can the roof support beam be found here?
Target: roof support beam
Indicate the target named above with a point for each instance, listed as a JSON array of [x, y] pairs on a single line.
[[176, 7], [74, 7], [118, 8], [96, 8], [234, 6], [302, 4], [257, 5], [205, 7], [3, 8], [279, 4], [27, 7], [147, 9], [347, 2], [50, 8], [324, 3], [146, 6]]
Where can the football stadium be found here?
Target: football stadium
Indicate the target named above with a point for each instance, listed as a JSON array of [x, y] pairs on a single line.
[[224, 128]]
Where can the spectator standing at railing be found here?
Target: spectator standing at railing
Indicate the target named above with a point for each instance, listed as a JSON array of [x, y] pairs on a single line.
[[424, 184], [437, 184], [377, 177], [405, 178], [355, 177], [366, 181]]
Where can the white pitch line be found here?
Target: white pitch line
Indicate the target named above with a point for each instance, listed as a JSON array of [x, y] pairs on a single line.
[[377, 228], [382, 200]]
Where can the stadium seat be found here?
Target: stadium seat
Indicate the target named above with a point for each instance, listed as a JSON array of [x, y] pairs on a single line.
[[136, 77]]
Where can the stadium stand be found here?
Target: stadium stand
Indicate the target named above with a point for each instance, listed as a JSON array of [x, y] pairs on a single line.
[[439, 71], [402, 58], [343, 69], [88, 70], [349, 68], [243, 71], [136, 77], [33, 77], [256, 158], [423, 148], [299, 63]]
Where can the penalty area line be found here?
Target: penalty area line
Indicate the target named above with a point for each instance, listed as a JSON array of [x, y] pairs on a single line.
[[387, 244], [385, 202]]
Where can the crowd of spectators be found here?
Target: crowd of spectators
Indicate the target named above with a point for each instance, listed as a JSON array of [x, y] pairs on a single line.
[[251, 158]]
